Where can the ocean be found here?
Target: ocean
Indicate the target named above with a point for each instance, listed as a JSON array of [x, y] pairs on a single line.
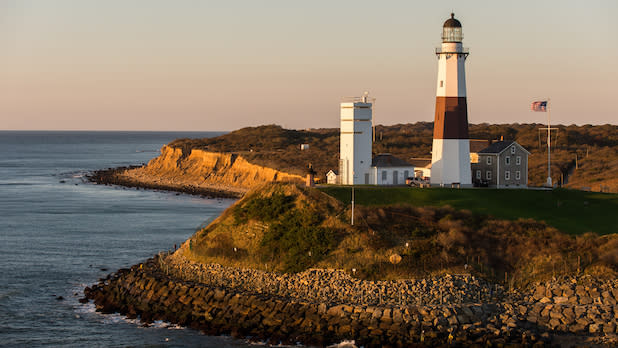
[[60, 233]]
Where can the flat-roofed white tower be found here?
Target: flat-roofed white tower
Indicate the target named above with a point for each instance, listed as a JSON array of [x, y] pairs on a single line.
[[450, 159], [355, 140]]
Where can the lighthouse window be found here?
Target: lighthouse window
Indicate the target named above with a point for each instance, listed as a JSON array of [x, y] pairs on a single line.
[[441, 83]]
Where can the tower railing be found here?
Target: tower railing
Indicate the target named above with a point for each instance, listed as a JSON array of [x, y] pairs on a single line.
[[357, 99], [464, 50]]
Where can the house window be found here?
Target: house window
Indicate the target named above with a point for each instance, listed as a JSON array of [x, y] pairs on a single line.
[[507, 160], [488, 175], [513, 149], [478, 174], [384, 175], [518, 160], [488, 160], [517, 175], [507, 175]]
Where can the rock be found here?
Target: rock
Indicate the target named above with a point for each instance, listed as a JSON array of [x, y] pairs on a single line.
[[545, 300], [560, 299], [579, 311], [219, 294], [595, 328], [585, 300], [609, 328], [336, 311]]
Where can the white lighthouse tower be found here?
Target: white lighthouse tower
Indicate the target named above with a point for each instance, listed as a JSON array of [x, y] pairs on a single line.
[[355, 140], [450, 162]]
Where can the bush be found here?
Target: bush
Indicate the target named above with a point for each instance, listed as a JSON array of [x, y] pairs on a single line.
[[266, 209], [297, 240]]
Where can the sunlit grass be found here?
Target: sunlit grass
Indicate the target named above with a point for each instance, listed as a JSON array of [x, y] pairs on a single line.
[[571, 211]]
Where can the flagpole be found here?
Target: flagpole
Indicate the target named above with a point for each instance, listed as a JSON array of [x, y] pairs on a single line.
[[549, 183]]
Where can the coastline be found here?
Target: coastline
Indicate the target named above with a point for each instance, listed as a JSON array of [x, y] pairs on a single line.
[[212, 298], [119, 176], [323, 307]]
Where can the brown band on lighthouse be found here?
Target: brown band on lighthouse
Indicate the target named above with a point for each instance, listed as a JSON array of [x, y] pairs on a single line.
[[451, 121]]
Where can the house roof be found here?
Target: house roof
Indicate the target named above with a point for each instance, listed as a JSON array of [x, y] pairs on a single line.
[[500, 146], [420, 162], [332, 171], [388, 160], [476, 145]]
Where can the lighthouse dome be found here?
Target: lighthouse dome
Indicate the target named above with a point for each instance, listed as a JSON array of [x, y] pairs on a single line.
[[452, 22], [451, 31]]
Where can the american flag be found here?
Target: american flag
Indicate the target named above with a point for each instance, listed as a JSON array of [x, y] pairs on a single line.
[[539, 105]]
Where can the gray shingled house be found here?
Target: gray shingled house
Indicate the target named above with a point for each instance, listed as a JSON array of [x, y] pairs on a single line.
[[503, 164]]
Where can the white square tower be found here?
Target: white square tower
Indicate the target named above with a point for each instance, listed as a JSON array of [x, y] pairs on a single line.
[[355, 140]]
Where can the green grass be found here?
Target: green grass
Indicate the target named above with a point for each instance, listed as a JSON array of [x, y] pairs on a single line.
[[570, 211]]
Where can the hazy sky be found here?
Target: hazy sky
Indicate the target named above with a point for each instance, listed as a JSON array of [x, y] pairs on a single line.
[[222, 65]]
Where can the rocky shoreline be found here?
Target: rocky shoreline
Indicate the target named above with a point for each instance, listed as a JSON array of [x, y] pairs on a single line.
[[118, 176], [322, 307]]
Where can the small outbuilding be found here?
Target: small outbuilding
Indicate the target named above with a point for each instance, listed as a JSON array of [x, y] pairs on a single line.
[[332, 177]]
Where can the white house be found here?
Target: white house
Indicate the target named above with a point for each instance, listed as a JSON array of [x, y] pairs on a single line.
[[387, 169]]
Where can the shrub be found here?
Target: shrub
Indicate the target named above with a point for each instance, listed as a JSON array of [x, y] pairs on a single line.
[[297, 240], [266, 209]]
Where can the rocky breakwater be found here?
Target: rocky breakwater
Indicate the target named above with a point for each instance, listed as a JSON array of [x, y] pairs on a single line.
[[303, 308], [580, 305], [199, 172]]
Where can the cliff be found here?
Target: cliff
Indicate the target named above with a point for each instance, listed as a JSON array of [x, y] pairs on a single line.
[[201, 169]]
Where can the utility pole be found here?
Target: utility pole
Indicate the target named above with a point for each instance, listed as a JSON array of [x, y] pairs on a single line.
[[352, 217]]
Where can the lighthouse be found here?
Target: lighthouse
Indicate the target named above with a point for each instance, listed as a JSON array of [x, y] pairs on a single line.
[[450, 159]]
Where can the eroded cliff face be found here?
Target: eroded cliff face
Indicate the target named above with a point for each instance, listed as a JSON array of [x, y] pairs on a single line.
[[206, 169]]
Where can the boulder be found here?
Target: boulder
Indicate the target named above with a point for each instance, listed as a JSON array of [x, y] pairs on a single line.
[[595, 328]]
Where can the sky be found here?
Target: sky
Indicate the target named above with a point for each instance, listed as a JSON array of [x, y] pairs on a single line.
[[222, 65]]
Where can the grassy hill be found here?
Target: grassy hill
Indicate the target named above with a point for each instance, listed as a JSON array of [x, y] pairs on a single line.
[[570, 211], [287, 228], [596, 148]]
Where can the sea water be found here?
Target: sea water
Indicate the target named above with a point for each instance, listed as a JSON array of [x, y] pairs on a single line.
[[59, 234]]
